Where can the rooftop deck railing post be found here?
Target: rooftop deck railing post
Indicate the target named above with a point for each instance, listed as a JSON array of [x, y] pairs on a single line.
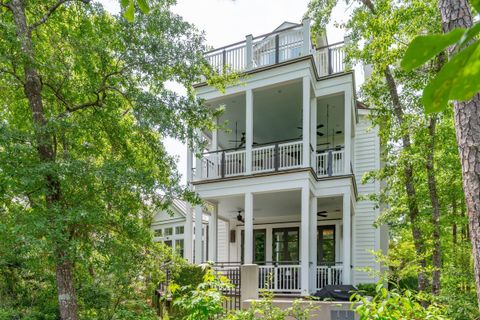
[[222, 167], [330, 163], [277, 48], [329, 61], [276, 158], [306, 36], [249, 52], [224, 60]]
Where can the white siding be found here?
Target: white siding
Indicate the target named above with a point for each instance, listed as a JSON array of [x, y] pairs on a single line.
[[222, 238], [366, 237]]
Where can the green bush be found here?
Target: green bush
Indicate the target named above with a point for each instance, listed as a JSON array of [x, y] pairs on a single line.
[[188, 275], [397, 304], [367, 289]]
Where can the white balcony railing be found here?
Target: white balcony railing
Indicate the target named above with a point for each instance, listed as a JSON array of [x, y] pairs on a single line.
[[269, 158], [280, 278], [277, 47], [329, 275], [330, 163]]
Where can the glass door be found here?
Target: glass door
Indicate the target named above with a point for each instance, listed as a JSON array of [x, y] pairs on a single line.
[[285, 245], [259, 246], [326, 245]]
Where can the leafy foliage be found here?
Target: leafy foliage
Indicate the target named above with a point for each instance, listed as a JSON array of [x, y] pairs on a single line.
[[459, 78], [201, 302], [107, 108], [395, 304]]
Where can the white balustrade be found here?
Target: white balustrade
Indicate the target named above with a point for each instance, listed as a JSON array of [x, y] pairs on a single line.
[[330, 163], [270, 158], [234, 163], [276, 47], [290, 155], [280, 278], [338, 163], [211, 166], [329, 275], [263, 159]]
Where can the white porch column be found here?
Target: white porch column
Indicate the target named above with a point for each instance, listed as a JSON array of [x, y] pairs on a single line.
[[198, 234], [313, 243], [348, 129], [198, 164], [305, 241], [248, 244], [249, 131], [347, 238], [189, 165], [306, 36], [313, 131], [212, 234], [188, 239], [306, 121], [249, 52]]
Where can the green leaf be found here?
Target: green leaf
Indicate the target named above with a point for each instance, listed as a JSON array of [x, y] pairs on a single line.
[[124, 3], [459, 79], [423, 48], [476, 4], [469, 35], [143, 4], [129, 14]]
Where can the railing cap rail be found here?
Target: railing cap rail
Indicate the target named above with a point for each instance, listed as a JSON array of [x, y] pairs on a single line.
[[253, 38]]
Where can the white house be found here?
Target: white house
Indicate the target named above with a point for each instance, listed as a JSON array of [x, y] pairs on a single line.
[[285, 179], [169, 228]]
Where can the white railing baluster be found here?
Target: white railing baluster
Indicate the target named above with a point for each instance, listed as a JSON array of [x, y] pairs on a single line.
[[329, 275]]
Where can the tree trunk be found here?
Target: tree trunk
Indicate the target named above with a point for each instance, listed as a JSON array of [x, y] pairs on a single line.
[[409, 183], [45, 148], [457, 14], [432, 188]]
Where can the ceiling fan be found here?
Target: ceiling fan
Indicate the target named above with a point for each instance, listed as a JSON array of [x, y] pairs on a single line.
[[239, 214], [322, 213], [320, 134]]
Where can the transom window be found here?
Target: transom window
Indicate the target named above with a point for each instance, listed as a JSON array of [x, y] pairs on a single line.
[[179, 230]]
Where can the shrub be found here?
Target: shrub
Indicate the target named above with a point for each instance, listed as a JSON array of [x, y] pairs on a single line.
[[203, 302], [367, 289], [396, 304]]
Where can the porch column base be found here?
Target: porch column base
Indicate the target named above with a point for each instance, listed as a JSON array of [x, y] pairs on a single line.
[[248, 282]]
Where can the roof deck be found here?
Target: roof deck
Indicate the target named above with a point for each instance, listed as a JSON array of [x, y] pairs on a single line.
[[286, 43]]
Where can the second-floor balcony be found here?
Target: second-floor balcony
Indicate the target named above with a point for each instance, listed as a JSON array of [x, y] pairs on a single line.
[[274, 157], [285, 43]]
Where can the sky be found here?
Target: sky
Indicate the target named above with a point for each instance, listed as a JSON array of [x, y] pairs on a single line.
[[229, 21]]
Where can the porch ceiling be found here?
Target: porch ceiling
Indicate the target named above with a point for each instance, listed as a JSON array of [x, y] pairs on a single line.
[[277, 114], [285, 204]]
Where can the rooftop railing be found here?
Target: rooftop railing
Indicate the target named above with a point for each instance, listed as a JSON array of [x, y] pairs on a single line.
[[277, 47]]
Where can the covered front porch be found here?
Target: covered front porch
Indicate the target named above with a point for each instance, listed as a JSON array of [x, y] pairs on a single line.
[[300, 241]]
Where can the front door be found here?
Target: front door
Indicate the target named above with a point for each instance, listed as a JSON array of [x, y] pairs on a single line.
[[326, 245], [285, 245]]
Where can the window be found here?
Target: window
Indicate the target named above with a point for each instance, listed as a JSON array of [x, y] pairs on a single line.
[[158, 233], [179, 247], [168, 231], [179, 230], [259, 245], [286, 245], [326, 245], [168, 243]]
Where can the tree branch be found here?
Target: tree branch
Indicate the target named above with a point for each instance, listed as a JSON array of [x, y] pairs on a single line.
[[369, 5], [50, 11]]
